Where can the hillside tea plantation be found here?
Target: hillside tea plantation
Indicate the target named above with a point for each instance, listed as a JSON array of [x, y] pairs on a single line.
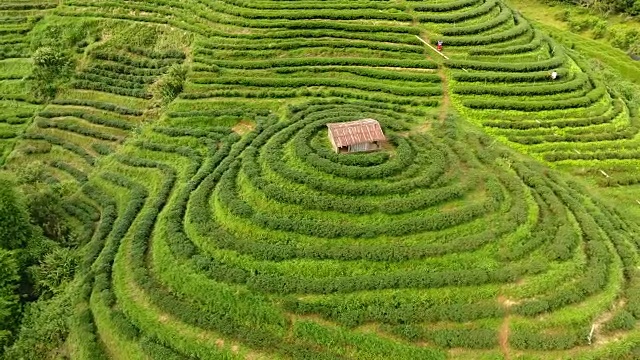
[[213, 220]]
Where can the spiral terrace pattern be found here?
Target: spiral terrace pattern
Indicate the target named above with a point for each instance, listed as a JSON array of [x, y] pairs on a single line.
[[212, 244]]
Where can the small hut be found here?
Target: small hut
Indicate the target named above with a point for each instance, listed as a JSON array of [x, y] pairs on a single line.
[[356, 136]]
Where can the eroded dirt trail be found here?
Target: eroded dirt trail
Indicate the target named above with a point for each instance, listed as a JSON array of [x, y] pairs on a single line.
[[503, 334], [446, 99]]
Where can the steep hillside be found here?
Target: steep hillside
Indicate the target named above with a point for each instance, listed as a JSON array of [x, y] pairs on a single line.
[[229, 228]]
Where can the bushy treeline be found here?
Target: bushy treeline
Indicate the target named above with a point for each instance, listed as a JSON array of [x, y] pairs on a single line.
[[38, 260], [631, 7]]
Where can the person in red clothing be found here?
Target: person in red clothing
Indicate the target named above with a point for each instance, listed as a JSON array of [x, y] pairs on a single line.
[[439, 45]]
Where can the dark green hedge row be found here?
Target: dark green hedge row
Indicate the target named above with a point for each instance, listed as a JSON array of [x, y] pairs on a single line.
[[107, 74], [366, 72], [14, 53], [369, 251], [600, 155], [543, 232], [580, 81], [560, 123], [14, 30], [99, 105], [64, 144], [153, 347], [292, 82], [212, 49], [8, 133], [470, 338], [102, 149], [314, 14], [444, 6], [308, 92], [83, 210], [557, 60], [538, 105], [90, 85], [157, 55], [311, 61], [110, 81], [235, 112], [504, 16], [84, 325], [523, 337], [494, 38], [613, 224], [17, 112], [135, 62], [628, 133], [16, 119], [100, 267], [279, 284], [201, 186], [286, 5], [534, 43], [456, 17], [189, 22], [75, 128], [117, 68], [185, 151], [388, 36], [214, 132], [92, 118], [108, 216], [357, 312], [28, 6], [80, 176]]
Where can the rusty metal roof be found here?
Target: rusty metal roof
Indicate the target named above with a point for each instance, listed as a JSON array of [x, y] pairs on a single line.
[[355, 132]]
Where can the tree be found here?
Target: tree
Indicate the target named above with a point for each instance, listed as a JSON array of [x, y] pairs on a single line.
[[9, 300], [15, 229], [54, 270], [170, 85], [45, 210], [51, 68]]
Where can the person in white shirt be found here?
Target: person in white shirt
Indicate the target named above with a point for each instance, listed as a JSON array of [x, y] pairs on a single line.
[[554, 75]]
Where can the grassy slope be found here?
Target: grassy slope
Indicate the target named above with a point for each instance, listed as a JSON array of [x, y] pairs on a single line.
[[138, 307], [546, 18]]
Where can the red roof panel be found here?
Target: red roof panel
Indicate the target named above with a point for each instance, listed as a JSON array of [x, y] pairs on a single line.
[[355, 132]]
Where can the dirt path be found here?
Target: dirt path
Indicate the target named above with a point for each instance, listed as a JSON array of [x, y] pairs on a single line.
[[446, 100], [604, 318], [503, 334], [504, 338], [439, 58]]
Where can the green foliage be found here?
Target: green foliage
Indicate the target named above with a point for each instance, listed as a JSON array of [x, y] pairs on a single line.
[[198, 240], [9, 300], [622, 320], [44, 329], [45, 210], [56, 269], [170, 85], [15, 229], [51, 69]]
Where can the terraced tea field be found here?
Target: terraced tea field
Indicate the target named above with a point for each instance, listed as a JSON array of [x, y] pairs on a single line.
[[18, 107], [222, 225]]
